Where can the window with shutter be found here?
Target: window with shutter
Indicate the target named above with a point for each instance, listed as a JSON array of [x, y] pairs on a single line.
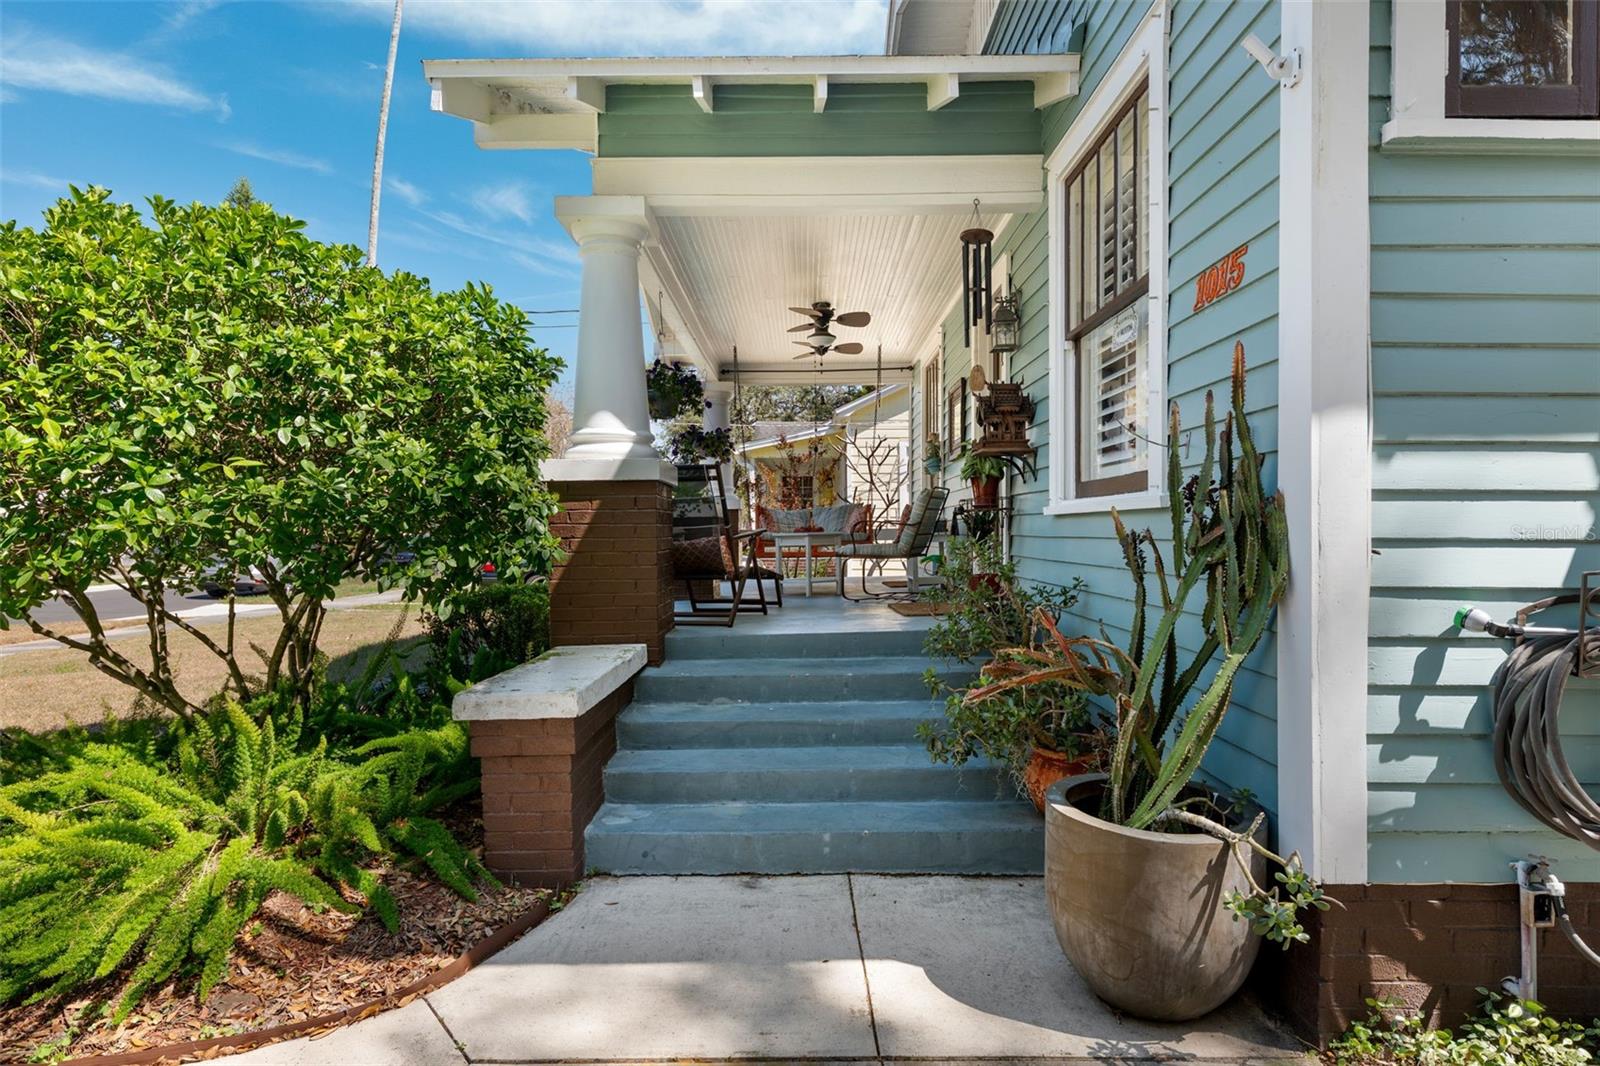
[[1107, 319]]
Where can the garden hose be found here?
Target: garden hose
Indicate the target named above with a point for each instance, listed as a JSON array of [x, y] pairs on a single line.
[[1528, 757]]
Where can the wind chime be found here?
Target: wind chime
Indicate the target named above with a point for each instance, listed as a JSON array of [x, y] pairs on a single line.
[[977, 276]]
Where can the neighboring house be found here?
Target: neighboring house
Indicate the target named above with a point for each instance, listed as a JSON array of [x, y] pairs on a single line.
[[1410, 257], [861, 454]]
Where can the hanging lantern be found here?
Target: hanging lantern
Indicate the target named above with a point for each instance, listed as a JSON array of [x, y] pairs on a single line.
[[977, 286], [1005, 328]]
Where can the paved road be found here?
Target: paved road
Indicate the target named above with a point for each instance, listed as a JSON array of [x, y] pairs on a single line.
[[205, 609], [111, 602]]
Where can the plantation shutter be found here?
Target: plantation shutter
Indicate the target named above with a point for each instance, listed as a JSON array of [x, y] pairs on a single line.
[[1107, 207]]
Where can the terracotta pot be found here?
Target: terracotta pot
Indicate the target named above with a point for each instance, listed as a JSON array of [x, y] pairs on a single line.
[[1140, 915], [985, 491], [1045, 768]]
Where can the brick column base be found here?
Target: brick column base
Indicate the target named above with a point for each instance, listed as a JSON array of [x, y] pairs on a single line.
[[616, 585], [541, 786], [1430, 947]]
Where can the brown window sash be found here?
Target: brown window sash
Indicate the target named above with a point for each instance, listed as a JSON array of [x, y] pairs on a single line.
[[1121, 483], [1578, 100]]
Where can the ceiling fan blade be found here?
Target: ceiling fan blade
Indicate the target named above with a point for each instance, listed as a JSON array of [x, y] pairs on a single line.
[[848, 349], [804, 326], [811, 311], [853, 318], [809, 355], [803, 344]]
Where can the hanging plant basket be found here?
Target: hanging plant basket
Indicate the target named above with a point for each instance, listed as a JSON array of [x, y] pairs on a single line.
[[673, 390]]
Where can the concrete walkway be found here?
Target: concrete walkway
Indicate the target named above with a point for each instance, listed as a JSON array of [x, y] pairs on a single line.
[[808, 969]]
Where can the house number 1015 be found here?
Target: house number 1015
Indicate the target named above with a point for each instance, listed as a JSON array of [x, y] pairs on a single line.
[[1221, 278]]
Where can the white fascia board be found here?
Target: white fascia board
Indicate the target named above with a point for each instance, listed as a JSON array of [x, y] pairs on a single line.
[[580, 131], [1324, 456], [798, 70], [1006, 184]]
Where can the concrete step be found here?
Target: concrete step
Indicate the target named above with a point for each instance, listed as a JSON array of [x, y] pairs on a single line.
[[772, 725], [958, 837], [795, 775], [790, 680], [711, 643]]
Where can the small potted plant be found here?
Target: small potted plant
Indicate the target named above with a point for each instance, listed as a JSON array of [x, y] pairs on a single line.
[[1036, 735], [983, 473], [1148, 829], [935, 460]]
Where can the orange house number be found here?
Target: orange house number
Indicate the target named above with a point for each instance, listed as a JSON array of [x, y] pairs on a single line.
[[1221, 278]]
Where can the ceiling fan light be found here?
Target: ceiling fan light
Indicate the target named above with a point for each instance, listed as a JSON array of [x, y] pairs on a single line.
[[822, 338]]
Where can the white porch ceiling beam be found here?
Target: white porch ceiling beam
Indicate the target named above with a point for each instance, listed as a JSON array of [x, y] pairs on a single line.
[[537, 131], [900, 373], [590, 92], [1054, 87], [804, 185], [702, 88], [943, 89]]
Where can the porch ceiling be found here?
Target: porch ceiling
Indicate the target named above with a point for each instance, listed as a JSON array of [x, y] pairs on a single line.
[[720, 282]]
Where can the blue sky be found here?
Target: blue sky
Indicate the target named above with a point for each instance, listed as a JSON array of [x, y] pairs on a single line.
[[179, 98]]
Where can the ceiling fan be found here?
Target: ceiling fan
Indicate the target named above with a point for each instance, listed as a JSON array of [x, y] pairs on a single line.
[[819, 338]]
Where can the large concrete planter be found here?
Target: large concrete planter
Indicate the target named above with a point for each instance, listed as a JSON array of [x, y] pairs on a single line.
[[1140, 915]]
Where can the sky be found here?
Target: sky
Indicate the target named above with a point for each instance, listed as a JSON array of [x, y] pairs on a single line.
[[180, 98]]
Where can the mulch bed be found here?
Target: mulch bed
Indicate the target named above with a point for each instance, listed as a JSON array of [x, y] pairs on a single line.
[[289, 965]]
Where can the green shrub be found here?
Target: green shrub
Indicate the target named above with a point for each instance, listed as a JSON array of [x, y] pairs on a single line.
[[508, 620], [213, 391], [146, 860], [1504, 1032]]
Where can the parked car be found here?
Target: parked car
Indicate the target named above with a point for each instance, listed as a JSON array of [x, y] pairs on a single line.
[[245, 582]]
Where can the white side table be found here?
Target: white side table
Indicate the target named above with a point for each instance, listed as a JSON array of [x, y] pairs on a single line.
[[805, 541]]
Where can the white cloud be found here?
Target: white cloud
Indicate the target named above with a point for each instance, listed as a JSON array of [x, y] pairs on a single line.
[[34, 179], [651, 27], [557, 259], [32, 60], [402, 188], [507, 200], [279, 156], [179, 15]]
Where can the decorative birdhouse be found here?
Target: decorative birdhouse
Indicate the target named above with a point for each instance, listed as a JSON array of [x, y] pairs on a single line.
[[1004, 415]]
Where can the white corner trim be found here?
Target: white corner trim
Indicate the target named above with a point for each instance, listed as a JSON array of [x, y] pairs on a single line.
[[1143, 58], [1421, 62], [1324, 451], [562, 683]]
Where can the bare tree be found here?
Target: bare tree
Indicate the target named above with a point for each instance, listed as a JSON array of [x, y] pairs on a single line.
[[557, 426], [877, 476], [383, 134]]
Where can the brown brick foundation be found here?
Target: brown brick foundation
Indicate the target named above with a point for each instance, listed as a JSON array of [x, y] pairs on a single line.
[[616, 584], [1429, 946], [541, 785]]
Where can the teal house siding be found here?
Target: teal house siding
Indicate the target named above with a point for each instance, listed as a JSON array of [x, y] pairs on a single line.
[[1222, 175], [1486, 481], [988, 118]]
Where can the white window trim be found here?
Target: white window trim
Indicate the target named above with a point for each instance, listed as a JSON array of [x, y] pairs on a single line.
[[1143, 58], [1420, 62]]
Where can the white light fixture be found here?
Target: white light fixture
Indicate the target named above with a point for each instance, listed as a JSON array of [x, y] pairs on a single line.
[[821, 337], [1282, 69]]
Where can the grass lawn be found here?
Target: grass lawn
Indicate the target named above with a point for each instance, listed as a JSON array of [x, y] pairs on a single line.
[[41, 690]]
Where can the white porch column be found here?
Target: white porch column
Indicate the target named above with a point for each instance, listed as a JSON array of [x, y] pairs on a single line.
[[611, 417], [720, 416], [1324, 450]]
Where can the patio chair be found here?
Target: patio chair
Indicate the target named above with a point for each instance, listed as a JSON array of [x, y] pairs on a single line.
[[717, 558], [916, 533]]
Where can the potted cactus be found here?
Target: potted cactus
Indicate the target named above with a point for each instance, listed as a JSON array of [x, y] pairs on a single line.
[[1156, 883]]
